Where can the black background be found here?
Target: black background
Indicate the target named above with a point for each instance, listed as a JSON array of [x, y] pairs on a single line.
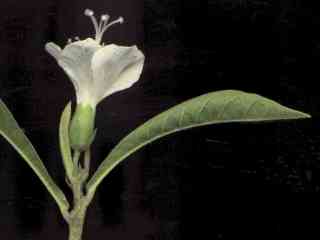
[[220, 182]]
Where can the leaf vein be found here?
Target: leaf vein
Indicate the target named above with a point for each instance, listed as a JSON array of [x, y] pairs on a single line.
[[251, 107], [226, 105], [181, 117], [164, 122], [203, 107]]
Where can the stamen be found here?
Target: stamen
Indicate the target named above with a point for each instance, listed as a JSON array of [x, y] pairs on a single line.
[[103, 24], [77, 38], [103, 21], [69, 40], [89, 13], [119, 20]]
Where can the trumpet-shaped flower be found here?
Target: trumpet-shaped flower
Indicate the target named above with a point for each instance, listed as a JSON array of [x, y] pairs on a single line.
[[96, 71]]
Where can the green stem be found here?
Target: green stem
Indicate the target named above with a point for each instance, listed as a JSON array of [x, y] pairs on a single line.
[[76, 226], [76, 156], [76, 217]]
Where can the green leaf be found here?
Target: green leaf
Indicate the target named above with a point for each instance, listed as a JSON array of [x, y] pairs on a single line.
[[10, 130], [212, 108], [65, 140]]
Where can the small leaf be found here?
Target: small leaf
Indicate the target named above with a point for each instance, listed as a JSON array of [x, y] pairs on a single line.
[[212, 108], [10, 130], [65, 140]]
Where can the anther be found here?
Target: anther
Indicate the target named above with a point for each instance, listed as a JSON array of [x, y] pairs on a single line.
[[105, 17], [121, 20], [88, 12]]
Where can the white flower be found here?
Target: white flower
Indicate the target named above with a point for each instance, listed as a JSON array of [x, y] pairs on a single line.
[[97, 70]]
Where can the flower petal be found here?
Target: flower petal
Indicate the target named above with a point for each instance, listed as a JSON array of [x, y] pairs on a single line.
[[115, 68], [75, 59], [80, 54], [53, 49]]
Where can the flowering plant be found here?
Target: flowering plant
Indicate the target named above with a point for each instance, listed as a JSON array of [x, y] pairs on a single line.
[[98, 70]]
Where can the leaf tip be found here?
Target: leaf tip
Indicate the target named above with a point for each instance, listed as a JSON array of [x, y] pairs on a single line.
[[305, 115], [300, 115]]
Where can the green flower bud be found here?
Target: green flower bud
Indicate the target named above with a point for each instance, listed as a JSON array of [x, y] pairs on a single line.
[[82, 127]]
